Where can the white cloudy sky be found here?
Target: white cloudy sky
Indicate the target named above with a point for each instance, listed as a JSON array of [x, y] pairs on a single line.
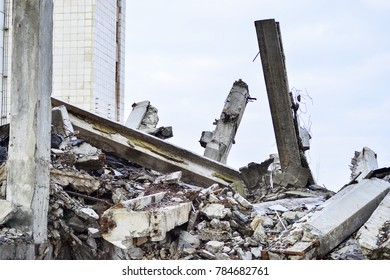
[[184, 56]]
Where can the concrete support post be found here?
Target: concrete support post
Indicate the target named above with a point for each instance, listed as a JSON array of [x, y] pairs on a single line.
[[218, 143], [275, 75], [28, 176]]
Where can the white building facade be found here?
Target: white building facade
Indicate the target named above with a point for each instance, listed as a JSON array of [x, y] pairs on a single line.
[[88, 55]]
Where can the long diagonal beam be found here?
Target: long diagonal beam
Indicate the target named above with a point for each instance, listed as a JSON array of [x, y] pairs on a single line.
[[147, 150]]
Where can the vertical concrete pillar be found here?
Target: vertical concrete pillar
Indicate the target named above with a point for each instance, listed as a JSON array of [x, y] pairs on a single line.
[[28, 174], [275, 75]]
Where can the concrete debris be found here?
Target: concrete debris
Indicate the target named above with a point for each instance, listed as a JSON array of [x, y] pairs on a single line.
[[144, 117], [374, 236], [363, 163], [117, 209], [320, 232], [7, 209], [218, 143]]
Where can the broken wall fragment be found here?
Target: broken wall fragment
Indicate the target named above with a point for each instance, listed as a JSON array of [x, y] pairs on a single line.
[[144, 117]]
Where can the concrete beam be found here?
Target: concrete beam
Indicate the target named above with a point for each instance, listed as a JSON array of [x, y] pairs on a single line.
[[373, 243], [30, 121], [345, 214], [146, 150], [222, 138], [275, 75]]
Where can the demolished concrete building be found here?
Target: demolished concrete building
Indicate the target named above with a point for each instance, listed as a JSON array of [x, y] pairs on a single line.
[[109, 207], [116, 192]]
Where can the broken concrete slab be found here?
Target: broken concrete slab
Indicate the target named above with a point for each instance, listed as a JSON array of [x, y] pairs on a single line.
[[172, 178], [60, 122], [146, 150], [76, 180], [120, 224], [373, 237], [137, 114], [288, 203], [7, 209], [140, 203], [363, 163], [345, 214]]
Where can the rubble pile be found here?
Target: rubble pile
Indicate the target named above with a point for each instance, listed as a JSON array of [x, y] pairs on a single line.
[[104, 207]]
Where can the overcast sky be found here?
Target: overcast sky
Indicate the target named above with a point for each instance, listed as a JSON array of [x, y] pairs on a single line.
[[184, 56]]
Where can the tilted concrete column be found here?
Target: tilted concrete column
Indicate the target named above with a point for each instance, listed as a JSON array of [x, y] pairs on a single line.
[[218, 143], [275, 75], [30, 123]]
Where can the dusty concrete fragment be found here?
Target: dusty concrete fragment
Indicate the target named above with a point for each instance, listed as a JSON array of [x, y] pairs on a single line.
[[244, 255], [140, 203], [120, 224], [222, 256], [214, 246], [88, 158], [253, 173], [345, 214], [305, 137], [206, 254], [172, 178], [215, 210], [208, 234], [7, 209], [188, 240], [294, 175], [136, 253], [150, 118], [137, 114], [78, 181], [362, 163], [243, 202], [292, 216], [192, 220], [373, 237], [288, 203], [60, 122]]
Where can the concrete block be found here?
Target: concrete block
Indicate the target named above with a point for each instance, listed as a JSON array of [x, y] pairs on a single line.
[[81, 182], [369, 236], [120, 224], [7, 209], [294, 175], [215, 211], [172, 178], [137, 114], [345, 213], [214, 246], [362, 163]]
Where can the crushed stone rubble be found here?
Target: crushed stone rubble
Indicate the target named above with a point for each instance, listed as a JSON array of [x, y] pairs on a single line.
[[222, 224]]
